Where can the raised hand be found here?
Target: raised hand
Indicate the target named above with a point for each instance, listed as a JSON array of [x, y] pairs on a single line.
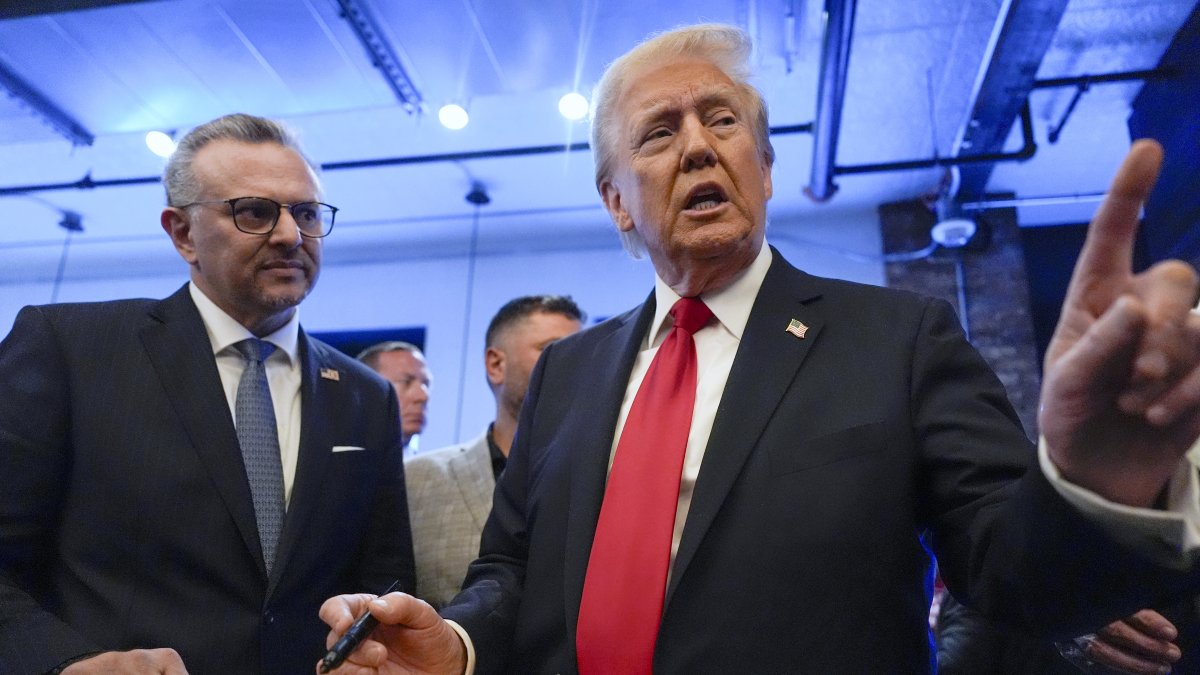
[[1121, 394]]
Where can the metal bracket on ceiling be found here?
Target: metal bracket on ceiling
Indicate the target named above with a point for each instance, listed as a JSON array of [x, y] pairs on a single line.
[[1083, 83], [38, 104], [383, 55], [1056, 129]]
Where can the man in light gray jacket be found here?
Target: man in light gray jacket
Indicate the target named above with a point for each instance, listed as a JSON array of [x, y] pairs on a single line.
[[450, 489]]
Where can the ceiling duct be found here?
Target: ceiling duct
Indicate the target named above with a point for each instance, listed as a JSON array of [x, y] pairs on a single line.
[[831, 95]]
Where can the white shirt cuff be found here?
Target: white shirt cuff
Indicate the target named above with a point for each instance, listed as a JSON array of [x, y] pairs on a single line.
[[1170, 537], [462, 633]]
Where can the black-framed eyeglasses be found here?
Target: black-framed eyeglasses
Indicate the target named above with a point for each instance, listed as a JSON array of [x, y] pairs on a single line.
[[259, 215]]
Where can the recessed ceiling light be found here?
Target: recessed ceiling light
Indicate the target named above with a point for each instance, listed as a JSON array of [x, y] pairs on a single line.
[[573, 106], [453, 116], [160, 143]]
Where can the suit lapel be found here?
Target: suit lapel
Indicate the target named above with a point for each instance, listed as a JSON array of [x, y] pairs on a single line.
[[179, 349], [472, 470], [316, 443], [613, 360], [765, 366]]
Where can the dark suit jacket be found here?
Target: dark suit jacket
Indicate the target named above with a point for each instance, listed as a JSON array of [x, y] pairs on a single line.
[[835, 463], [125, 516]]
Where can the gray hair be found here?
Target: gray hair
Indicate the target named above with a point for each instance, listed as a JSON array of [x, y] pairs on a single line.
[[726, 47], [180, 180], [370, 355]]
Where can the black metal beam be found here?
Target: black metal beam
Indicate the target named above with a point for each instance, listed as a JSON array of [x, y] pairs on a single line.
[[13, 10], [87, 182], [1028, 149], [1161, 73], [1025, 35], [1083, 83]]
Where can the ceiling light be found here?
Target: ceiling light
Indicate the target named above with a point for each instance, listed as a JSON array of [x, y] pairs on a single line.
[[160, 143], [453, 116], [573, 106]]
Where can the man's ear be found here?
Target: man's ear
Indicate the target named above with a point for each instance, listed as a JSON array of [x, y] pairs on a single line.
[[493, 364], [611, 195], [178, 226], [767, 186]]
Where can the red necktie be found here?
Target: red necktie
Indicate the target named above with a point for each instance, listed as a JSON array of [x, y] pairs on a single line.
[[627, 571]]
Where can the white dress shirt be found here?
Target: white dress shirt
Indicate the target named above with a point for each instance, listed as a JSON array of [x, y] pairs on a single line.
[[716, 345], [283, 374]]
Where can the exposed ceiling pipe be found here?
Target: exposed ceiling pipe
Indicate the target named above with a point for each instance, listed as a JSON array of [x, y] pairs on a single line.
[[1042, 200], [1028, 149], [1083, 83], [1028, 146], [87, 182], [831, 93]]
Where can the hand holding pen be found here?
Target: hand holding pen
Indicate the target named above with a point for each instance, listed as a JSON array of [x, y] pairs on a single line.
[[359, 630], [409, 636]]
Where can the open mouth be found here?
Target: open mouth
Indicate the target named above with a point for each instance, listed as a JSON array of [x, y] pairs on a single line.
[[705, 197]]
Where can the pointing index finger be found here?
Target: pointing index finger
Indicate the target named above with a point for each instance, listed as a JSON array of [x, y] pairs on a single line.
[[1108, 249]]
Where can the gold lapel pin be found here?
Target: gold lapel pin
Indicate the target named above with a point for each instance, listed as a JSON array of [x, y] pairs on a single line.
[[330, 374]]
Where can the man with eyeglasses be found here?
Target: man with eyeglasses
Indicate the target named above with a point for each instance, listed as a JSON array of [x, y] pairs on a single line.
[[186, 480]]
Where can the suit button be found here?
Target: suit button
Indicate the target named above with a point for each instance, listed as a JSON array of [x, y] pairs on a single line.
[[268, 618]]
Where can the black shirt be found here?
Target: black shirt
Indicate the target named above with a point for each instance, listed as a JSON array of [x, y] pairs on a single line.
[[498, 458]]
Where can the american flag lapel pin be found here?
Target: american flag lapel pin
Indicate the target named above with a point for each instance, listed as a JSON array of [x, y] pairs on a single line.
[[795, 327], [330, 374]]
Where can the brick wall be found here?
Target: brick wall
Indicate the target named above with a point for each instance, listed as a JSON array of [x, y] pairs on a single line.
[[991, 269]]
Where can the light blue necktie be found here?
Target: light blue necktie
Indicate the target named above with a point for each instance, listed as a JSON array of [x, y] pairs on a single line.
[[259, 438]]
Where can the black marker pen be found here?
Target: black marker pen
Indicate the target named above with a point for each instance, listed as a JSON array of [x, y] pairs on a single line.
[[358, 632]]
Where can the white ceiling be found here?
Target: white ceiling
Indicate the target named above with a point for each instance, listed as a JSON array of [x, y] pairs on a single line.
[[125, 69]]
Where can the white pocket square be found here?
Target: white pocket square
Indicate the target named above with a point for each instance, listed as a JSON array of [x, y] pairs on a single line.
[[347, 448]]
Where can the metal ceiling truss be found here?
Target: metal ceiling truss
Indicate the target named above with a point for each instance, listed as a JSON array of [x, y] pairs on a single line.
[[38, 104], [383, 55]]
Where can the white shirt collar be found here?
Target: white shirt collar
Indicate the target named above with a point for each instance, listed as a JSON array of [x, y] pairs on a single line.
[[731, 304], [223, 330]]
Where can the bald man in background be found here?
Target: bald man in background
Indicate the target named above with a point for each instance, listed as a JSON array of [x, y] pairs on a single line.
[[403, 364]]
